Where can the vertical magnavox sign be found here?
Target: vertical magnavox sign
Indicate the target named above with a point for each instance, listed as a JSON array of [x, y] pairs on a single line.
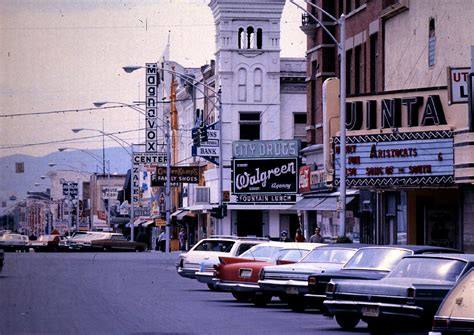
[[151, 116]]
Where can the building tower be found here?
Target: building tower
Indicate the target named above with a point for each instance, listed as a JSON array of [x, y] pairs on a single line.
[[248, 71]]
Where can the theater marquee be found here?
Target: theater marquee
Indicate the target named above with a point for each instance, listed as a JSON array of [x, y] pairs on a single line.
[[397, 159]]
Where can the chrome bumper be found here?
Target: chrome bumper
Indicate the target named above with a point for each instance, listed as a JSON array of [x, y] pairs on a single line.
[[376, 308], [239, 287], [206, 277], [187, 273], [295, 287]]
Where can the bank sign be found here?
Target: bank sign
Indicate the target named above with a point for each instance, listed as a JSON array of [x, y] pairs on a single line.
[[265, 171], [397, 159]]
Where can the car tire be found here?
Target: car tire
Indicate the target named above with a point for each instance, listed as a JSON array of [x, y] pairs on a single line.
[[347, 321], [212, 287], [261, 300], [377, 327], [283, 298], [296, 304], [242, 297]]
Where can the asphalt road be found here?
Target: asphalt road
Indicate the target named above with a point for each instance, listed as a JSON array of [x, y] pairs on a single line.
[[131, 293]]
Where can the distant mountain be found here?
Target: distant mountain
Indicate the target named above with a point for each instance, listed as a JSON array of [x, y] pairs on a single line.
[[18, 184]]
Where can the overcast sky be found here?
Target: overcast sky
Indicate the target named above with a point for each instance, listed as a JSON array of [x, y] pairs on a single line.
[[59, 55]]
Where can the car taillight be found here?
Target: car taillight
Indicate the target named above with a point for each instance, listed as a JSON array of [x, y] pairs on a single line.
[[411, 293], [440, 323]]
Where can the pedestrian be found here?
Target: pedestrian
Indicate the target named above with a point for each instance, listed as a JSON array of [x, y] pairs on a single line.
[[142, 236], [299, 237], [316, 237], [284, 237], [182, 239], [161, 241]]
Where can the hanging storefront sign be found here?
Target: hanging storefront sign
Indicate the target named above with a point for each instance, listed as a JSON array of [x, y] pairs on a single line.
[[265, 176], [265, 171], [458, 84], [398, 159], [179, 174], [304, 181], [266, 149], [151, 99]]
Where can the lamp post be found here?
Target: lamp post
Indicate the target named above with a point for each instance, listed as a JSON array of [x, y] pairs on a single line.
[[115, 138], [341, 44]]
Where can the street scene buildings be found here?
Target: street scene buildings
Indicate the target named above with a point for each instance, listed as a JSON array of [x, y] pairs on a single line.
[[251, 144]]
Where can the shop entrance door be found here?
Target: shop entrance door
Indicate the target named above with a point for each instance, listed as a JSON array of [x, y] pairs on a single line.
[[249, 223]]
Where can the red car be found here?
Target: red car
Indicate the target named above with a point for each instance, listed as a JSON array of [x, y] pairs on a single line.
[[239, 275]]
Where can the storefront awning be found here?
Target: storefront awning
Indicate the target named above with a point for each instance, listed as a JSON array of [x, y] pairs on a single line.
[[320, 203], [199, 208], [144, 222], [180, 214]]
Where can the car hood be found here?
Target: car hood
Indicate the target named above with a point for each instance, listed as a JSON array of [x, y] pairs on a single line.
[[388, 286]]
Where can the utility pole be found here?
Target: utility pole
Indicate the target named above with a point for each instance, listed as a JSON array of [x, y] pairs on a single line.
[[168, 182]]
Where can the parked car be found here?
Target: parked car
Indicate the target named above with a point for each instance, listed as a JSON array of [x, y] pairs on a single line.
[[14, 242], [45, 243], [209, 249], [409, 295], [116, 242], [83, 242], [456, 313], [240, 275], [368, 263], [207, 271], [292, 279]]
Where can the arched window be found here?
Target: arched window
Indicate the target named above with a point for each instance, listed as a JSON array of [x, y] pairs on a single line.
[[242, 91], [250, 38], [241, 38], [432, 43], [257, 85], [259, 38]]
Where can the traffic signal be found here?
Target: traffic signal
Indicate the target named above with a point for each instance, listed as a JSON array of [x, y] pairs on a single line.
[[203, 133], [216, 212], [195, 134], [219, 212]]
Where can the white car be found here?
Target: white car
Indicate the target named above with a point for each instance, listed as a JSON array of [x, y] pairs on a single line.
[[14, 242], [209, 250]]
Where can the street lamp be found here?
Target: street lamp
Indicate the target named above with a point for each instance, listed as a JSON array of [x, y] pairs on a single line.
[[115, 138], [102, 103], [341, 44]]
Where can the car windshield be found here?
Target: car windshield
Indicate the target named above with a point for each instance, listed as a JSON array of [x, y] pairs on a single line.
[[46, 238], [428, 268], [269, 252], [328, 255], [217, 246], [293, 255], [382, 259]]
